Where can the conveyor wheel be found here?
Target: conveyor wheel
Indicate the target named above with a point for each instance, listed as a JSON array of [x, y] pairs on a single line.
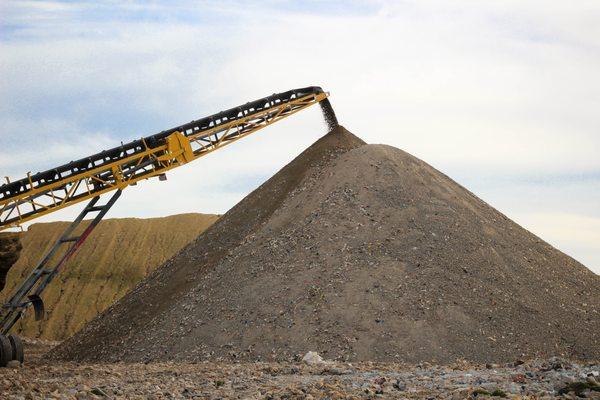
[[17, 348], [5, 351]]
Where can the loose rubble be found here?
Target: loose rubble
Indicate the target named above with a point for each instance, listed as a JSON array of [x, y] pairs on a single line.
[[536, 379], [313, 358]]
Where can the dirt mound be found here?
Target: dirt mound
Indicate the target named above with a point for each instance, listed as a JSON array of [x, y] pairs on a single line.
[[10, 248], [119, 254], [358, 253]]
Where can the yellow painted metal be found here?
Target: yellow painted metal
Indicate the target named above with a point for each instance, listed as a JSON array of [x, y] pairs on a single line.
[[176, 151], [178, 148]]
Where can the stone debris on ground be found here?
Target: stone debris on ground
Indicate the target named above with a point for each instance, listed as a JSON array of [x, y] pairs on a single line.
[[312, 358], [360, 253], [534, 379]]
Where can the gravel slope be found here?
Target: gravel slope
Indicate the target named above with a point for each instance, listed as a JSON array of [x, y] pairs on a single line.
[[359, 252]]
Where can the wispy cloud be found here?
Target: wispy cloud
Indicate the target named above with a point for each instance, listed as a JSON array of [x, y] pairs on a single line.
[[498, 94]]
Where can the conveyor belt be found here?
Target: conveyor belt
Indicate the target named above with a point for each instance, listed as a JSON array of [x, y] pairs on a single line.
[[44, 192]]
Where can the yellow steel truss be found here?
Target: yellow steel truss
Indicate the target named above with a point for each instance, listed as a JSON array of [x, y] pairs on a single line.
[[177, 150]]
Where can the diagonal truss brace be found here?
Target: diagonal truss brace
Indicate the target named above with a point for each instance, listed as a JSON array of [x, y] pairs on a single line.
[[29, 293]]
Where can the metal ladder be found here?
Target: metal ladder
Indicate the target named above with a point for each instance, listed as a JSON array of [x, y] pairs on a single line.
[[30, 290]]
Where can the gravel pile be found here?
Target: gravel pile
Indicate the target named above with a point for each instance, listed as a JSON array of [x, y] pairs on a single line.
[[361, 253]]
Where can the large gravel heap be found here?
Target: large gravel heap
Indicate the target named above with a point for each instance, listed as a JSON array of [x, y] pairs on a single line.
[[358, 252]]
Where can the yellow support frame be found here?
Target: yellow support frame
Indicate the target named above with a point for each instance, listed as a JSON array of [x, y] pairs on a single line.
[[178, 149]]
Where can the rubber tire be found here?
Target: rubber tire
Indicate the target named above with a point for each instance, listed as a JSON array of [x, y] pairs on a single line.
[[5, 351], [17, 348]]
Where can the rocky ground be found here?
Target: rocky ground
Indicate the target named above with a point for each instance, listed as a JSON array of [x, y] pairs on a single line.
[[539, 379]]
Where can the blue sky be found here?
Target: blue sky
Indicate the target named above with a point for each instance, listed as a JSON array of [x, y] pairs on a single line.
[[503, 96]]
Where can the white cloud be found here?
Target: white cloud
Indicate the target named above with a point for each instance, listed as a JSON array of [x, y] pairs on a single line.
[[486, 90]]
